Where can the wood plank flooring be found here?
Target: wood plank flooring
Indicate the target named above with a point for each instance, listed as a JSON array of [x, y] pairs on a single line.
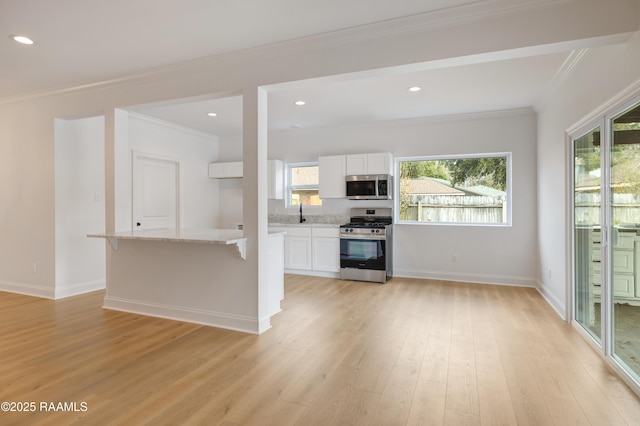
[[411, 352]]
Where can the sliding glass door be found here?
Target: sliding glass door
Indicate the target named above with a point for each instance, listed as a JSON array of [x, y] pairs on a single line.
[[624, 188], [606, 235], [587, 221]]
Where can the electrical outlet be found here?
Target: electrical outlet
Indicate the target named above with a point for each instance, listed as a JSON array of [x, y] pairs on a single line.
[[454, 258], [34, 268]]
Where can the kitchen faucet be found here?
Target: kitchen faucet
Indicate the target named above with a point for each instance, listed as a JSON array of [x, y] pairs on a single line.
[[302, 219]]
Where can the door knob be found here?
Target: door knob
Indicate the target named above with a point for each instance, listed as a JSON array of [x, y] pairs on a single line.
[[138, 223]]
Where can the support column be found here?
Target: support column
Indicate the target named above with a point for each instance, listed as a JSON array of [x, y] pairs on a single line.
[[255, 207]]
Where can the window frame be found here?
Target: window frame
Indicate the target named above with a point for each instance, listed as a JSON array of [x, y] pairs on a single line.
[[290, 188], [508, 190]]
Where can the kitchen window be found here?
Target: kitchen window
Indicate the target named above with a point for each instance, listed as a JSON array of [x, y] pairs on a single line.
[[303, 184], [466, 189]]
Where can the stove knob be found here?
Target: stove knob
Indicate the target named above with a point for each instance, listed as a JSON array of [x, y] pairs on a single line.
[[377, 231]]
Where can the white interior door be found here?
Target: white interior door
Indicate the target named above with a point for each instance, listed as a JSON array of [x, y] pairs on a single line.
[[155, 192]]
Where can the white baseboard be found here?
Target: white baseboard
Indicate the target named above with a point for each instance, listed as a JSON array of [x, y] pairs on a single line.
[[28, 289], [553, 301], [323, 274], [466, 277], [81, 288], [213, 319]]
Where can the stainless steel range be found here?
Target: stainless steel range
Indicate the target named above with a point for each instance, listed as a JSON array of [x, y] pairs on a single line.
[[366, 245]]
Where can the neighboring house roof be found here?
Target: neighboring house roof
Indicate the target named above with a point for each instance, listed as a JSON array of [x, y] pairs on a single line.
[[483, 190], [428, 186], [435, 186], [622, 174]]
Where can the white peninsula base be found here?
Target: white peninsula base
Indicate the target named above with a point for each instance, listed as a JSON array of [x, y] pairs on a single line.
[[196, 276]]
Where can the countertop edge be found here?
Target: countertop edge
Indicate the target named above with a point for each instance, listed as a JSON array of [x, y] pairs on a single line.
[[209, 236]]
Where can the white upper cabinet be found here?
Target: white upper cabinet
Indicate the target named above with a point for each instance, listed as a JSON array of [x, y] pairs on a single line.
[[370, 164], [225, 170], [275, 179], [357, 164], [332, 170]]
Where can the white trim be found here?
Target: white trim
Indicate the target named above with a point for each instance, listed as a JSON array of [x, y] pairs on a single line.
[[554, 302], [625, 95], [311, 273], [62, 291], [611, 362], [466, 277], [422, 22], [171, 125], [27, 289], [177, 313], [420, 121]]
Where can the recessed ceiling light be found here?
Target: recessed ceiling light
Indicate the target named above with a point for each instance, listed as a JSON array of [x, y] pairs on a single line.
[[21, 39], [300, 103], [212, 114], [414, 88]]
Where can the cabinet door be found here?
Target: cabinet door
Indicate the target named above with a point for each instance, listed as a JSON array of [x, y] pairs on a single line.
[[235, 169], [357, 164], [623, 285], [326, 254], [331, 179], [379, 164], [225, 170], [297, 252]]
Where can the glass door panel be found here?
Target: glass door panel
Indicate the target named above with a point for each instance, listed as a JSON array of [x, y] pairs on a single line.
[[587, 221], [624, 189]]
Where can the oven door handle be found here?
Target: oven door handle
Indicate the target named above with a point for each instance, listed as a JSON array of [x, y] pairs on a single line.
[[363, 237]]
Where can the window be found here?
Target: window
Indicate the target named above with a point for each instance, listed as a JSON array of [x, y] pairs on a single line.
[[470, 189], [303, 185]]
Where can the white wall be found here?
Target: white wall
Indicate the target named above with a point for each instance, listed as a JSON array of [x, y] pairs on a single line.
[[230, 190], [199, 199], [489, 254], [600, 74], [79, 206], [27, 207]]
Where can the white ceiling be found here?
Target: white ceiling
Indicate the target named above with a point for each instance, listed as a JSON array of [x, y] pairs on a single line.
[[86, 41]]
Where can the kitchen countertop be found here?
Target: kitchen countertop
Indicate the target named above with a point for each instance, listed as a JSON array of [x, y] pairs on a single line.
[[304, 225], [202, 236], [207, 236]]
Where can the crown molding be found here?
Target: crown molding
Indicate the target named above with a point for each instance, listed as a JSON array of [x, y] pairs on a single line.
[[418, 121], [175, 126], [475, 11]]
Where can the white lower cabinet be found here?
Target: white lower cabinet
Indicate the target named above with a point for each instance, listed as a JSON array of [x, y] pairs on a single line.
[[297, 252], [325, 244], [311, 251]]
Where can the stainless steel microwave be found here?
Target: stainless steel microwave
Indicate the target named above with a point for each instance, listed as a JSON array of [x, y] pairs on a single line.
[[369, 187]]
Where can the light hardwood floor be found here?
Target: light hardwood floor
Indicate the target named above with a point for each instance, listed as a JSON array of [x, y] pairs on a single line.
[[406, 353]]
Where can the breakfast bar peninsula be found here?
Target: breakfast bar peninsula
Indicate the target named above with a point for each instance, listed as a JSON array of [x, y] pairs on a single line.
[[191, 275]]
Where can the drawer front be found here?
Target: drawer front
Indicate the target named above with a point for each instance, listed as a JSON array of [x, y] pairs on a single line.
[[326, 232], [625, 241], [623, 285], [278, 229], [298, 231], [622, 261]]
